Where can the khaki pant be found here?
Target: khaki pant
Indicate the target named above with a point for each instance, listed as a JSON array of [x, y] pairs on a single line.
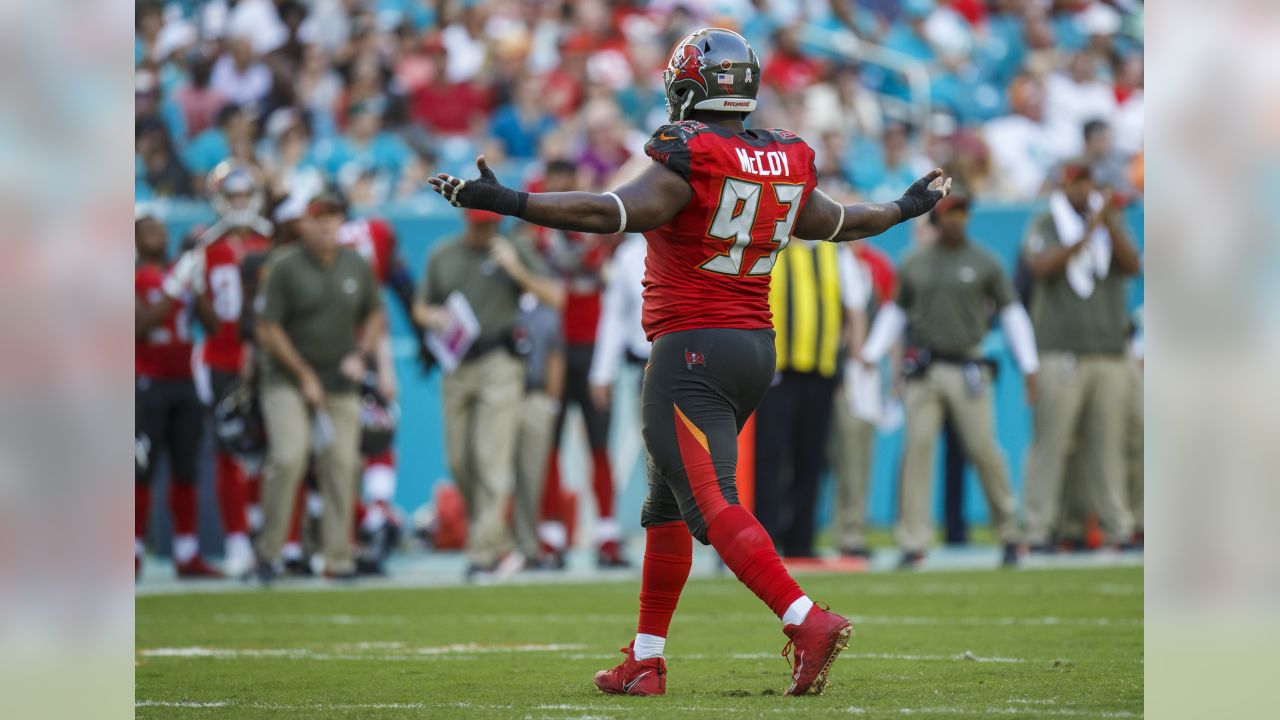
[[1135, 445], [850, 453], [288, 423], [533, 447], [1081, 399], [943, 388], [482, 400]]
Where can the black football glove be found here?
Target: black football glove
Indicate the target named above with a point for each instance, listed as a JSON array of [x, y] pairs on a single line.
[[482, 193], [919, 198]]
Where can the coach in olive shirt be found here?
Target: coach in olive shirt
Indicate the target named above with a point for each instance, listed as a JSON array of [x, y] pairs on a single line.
[[947, 293], [1080, 254], [318, 310], [483, 395]]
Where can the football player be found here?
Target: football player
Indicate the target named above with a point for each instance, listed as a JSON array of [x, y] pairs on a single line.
[[579, 259], [169, 418], [240, 233], [717, 204], [375, 240]]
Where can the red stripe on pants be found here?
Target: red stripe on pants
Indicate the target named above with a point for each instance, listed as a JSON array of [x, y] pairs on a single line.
[[695, 454]]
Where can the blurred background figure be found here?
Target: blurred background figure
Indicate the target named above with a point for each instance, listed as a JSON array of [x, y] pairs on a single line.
[[944, 304], [540, 342], [816, 295], [578, 259], [852, 436], [169, 418], [483, 395], [237, 240], [320, 315], [1080, 254]]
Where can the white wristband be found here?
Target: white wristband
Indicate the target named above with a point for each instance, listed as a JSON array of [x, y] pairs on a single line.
[[839, 225], [622, 212]]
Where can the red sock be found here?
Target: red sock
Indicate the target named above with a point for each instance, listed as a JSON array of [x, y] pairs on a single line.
[[232, 496], [668, 554], [141, 510], [551, 488], [295, 521], [182, 503], [747, 550], [253, 489], [602, 481]]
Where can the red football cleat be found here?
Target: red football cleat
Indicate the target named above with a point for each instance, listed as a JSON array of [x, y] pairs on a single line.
[[817, 642], [634, 677], [196, 567]]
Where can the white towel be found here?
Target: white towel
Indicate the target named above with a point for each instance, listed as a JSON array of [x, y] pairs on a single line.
[[1092, 263]]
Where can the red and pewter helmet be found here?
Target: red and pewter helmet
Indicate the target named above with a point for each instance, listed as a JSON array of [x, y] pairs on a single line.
[[236, 190], [712, 69]]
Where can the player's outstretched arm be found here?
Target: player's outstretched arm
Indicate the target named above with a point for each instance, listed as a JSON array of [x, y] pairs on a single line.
[[824, 219], [640, 205]]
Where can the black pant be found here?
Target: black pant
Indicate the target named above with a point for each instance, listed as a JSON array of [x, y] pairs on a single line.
[[577, 391], [699, 389], [792, 428], [168, 418]]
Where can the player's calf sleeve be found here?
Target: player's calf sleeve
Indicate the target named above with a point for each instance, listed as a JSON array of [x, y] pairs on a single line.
[[668, 555], [602, 481], [233, 498], [551, 489], [747, 550], [141, 510], [182, 503]]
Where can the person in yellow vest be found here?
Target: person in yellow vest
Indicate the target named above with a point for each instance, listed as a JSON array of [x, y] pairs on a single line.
[[814, 294], [945, 299]]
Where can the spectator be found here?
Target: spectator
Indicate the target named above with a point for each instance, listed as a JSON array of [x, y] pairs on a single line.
[[900, 165], [521, 123], [447, 107], [199, 102], [1073, 98], [946, 289], [320, 313], [816, 295], [482, 396], [161, 172], [843, 104], [239, 75], [366, 152], [1020, 143], [1080, 252], [1108, 168], [206, 150]]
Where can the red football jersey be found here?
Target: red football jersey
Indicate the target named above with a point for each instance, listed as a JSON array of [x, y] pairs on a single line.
[[165, 351], [224, 348], [578, 258], [709, 266], [374, 240]]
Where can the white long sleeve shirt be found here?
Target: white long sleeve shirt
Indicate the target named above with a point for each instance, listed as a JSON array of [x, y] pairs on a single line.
[[620, 328]]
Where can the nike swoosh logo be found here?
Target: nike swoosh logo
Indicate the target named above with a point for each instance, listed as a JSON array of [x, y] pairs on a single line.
[[795, 677], [626, 687], [664, 136]]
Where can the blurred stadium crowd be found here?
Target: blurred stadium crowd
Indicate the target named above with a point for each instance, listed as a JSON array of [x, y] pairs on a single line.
[[372, 95], [301, 122]]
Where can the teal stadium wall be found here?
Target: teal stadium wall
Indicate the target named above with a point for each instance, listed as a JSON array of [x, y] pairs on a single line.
[[420, 440]]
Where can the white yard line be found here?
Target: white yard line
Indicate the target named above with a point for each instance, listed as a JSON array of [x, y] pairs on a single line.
[[574, 619]]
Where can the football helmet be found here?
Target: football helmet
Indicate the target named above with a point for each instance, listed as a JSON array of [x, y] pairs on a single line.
[[236, 190], [378, 420], [712, 69], [238, 427]]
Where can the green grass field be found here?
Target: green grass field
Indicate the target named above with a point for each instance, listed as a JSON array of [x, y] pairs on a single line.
[[1025, 644]]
